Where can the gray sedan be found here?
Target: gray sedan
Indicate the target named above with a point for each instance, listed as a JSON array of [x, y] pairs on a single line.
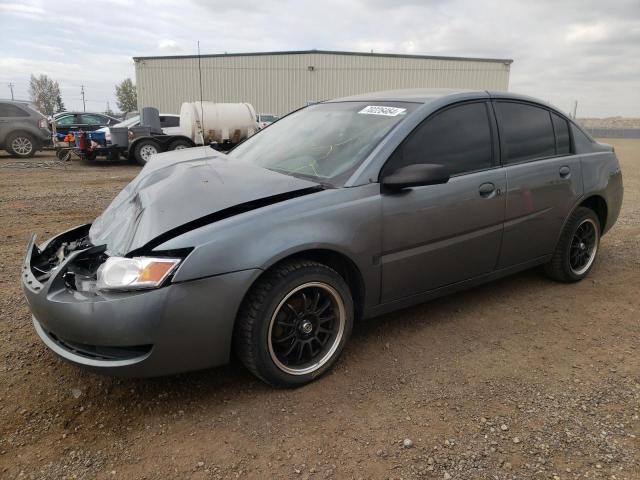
[[340, 211]]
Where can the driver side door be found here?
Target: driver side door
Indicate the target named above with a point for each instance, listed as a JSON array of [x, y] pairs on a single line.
[[437, 235]]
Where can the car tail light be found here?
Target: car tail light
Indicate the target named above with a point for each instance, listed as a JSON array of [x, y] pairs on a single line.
[[42, 123]]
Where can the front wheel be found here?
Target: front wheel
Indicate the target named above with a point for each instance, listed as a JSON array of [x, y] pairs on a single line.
[[577, 248], [294, 323]]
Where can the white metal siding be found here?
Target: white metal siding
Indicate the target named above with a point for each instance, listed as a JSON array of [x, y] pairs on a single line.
[[280, 83]]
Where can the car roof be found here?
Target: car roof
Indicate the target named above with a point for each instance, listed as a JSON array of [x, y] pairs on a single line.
[[427, 95], [416, 95]]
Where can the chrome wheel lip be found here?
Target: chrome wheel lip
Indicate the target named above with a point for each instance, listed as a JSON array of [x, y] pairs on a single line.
[[146, 151], [22, 145], [341, 318], [593, 249]]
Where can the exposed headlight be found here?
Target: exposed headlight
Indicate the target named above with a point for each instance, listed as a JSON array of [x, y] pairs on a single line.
[[119, 273]]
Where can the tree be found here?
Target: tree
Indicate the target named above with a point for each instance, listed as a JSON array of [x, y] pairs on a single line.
[[59, 105], [45, 94], [126, 96]]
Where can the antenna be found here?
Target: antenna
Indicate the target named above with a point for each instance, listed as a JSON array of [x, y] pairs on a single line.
[[11, 85], [201, 108], [84, 104]]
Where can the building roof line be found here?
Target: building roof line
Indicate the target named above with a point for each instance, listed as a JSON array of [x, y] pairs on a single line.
[[329, 52]]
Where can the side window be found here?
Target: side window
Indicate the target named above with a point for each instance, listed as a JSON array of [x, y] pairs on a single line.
[[561, 128], [458, 137], [526, 132], [8, 110], [68, 120], [88, 119]]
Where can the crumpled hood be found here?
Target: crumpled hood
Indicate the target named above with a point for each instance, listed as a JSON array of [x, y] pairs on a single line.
[[180, 187]]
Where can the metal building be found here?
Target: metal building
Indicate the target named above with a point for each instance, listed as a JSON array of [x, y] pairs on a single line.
[[278, 82]]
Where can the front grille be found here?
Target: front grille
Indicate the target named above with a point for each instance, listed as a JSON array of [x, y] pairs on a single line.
[[98, 352]]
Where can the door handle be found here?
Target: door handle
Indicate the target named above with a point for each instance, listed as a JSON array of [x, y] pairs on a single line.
[[486, 189], [564, 172]]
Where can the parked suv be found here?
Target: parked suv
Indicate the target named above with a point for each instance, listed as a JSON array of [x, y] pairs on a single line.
[[23, 130]]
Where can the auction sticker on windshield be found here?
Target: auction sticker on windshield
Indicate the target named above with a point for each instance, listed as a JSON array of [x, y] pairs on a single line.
[[381, 110]]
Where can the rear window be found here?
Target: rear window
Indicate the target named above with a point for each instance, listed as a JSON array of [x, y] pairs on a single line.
[[169, 121], [9, 110], [561, 128], [526, 132]]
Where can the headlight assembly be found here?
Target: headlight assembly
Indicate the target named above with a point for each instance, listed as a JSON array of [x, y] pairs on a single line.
[[119, 273]]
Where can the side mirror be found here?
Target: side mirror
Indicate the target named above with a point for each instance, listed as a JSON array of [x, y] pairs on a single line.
[[416, 175]]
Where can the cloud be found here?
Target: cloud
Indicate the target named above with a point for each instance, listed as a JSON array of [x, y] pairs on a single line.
[[170, 45], [21, 10], [583, 50]]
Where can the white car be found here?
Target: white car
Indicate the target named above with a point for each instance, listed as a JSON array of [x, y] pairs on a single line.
[[169, 122]]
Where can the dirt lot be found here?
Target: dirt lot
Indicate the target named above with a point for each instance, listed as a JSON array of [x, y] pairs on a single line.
[[521, 378]]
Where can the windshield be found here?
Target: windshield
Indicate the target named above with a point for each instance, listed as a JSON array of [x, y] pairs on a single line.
[[324, 142], [130, 122]]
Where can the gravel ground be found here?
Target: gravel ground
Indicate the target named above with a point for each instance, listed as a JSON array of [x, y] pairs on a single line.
[[522, 378]]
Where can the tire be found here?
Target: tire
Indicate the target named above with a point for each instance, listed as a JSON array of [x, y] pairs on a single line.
[[63, 155], [577, 248], [286, 311], [179, 145], [144, 149], [21, 145]]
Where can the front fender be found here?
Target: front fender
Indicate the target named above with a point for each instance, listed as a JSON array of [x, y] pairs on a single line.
[[346, 221]]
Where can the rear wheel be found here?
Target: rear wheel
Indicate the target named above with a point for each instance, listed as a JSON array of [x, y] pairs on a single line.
[[294, 323], [180, 144], [577, 248], [144, 150], [21, 145]]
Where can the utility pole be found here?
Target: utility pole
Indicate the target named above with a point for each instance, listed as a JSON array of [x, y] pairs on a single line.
[[11, 85], [84, 105], [575, 108]]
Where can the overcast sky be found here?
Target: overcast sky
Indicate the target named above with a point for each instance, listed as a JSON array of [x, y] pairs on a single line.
[[584, 50]]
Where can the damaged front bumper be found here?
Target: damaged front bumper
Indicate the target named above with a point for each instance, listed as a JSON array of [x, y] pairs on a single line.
[[179, 327]]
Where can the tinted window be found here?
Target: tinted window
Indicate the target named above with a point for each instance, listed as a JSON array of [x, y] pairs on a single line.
[[458, 137], [525, 131], [561, 128], [169, 121], [93, 120], [9, 110]]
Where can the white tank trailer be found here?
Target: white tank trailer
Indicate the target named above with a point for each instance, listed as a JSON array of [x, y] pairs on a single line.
[[201, 123], [223, 123]]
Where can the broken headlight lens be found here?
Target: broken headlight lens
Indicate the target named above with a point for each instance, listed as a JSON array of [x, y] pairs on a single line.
[[119, 273]]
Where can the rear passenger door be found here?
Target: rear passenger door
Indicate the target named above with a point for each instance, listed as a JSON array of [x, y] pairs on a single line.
[[90, 121], [544, 179], [437, 235]]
